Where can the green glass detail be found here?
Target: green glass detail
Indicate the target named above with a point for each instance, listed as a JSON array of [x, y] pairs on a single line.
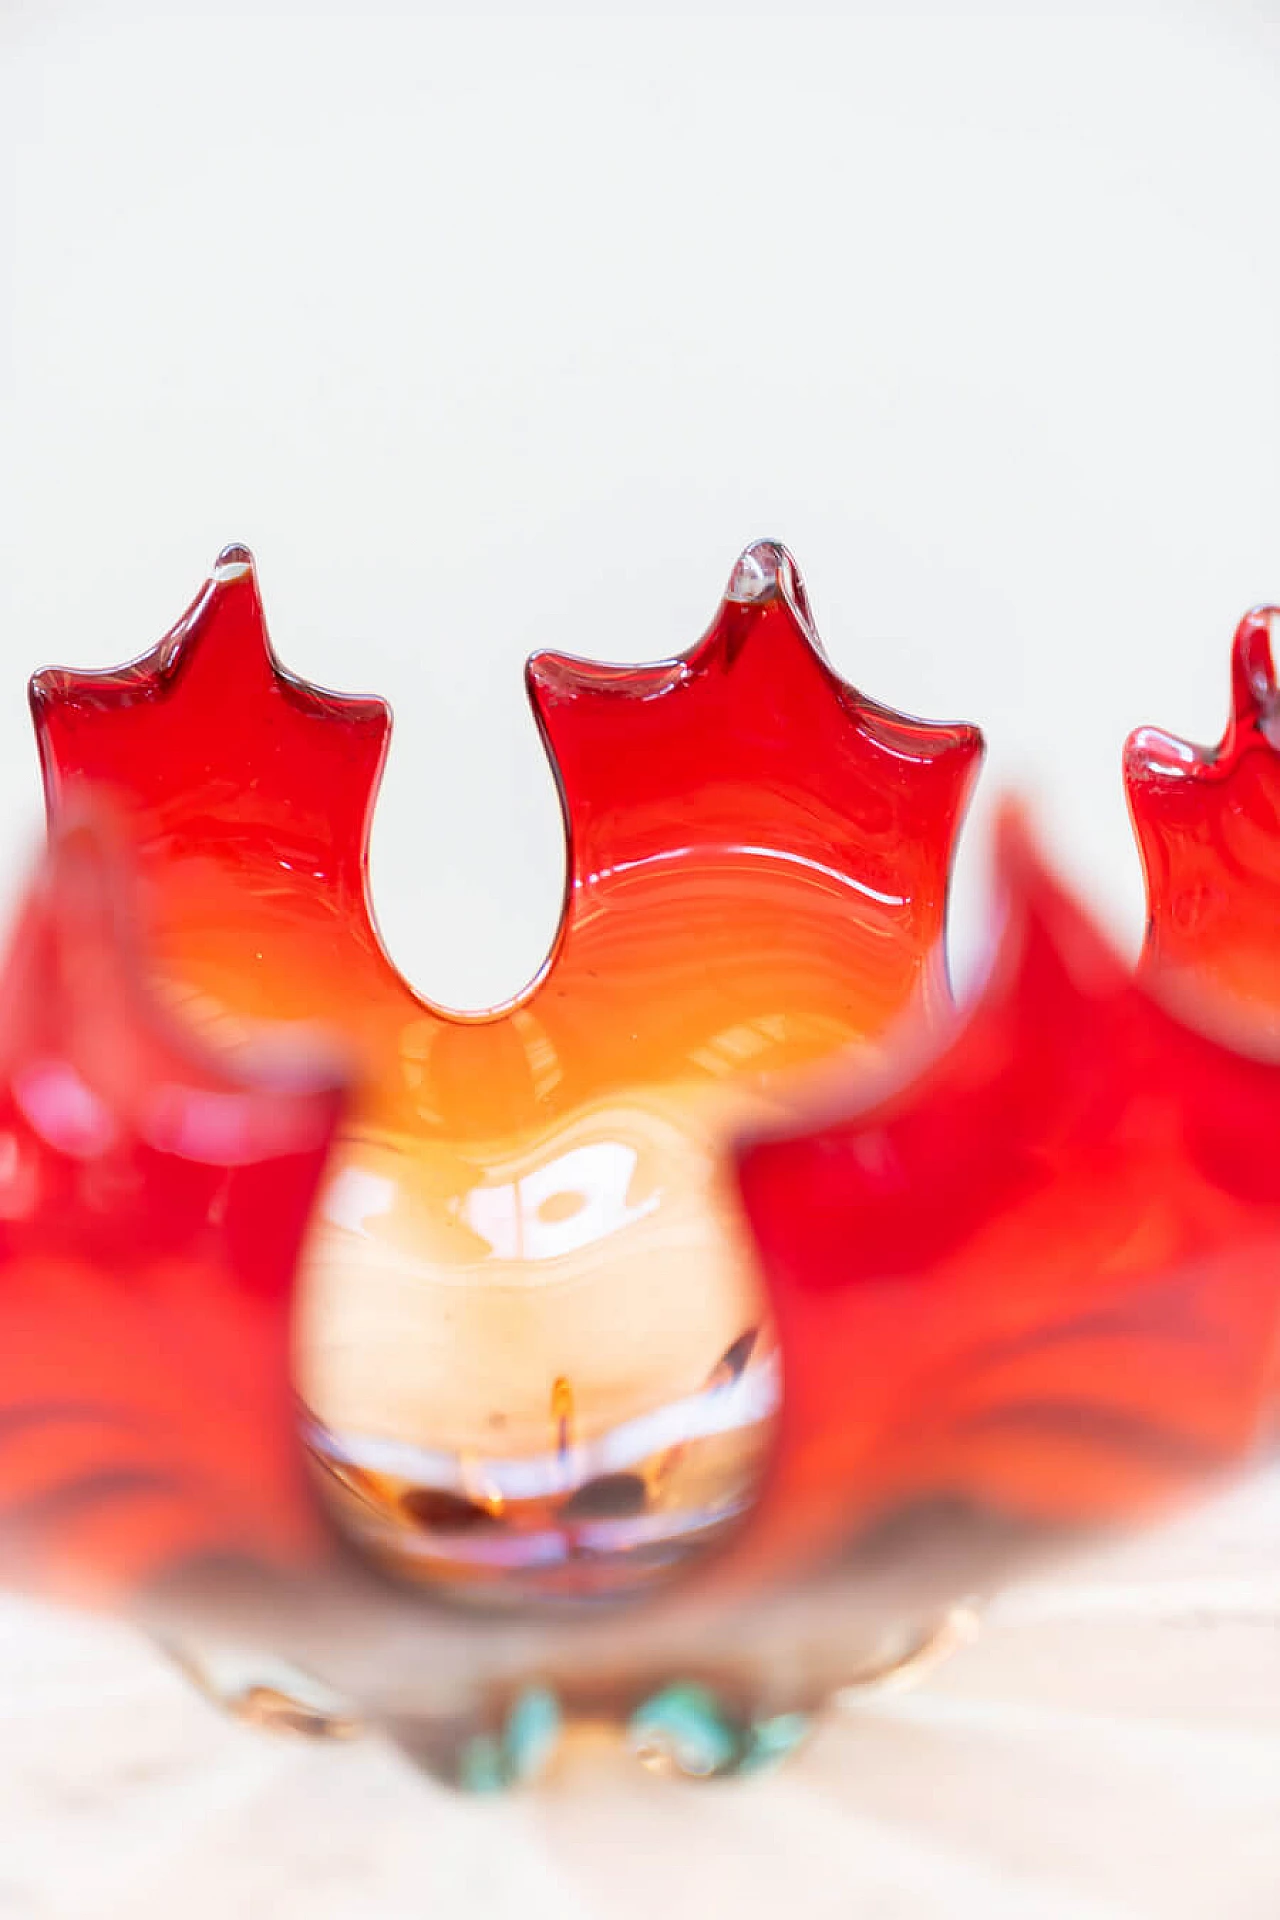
[[481, 1767], [686, 1723], [532, 1731], [490, 1763], [770, 1741]]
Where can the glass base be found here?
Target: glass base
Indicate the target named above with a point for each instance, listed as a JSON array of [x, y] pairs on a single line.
[[707, 1727]]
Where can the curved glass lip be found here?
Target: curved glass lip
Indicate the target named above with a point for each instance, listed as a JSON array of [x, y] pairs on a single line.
[[764, 571]]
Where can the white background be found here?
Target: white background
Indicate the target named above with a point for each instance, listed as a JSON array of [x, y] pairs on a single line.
[[502, 332]]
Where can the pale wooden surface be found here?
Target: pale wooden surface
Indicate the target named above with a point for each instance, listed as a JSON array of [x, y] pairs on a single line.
[[1109, 1749]]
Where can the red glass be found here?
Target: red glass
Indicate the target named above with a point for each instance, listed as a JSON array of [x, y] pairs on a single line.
[[152, 1203], [532, 1348], [1018, 1273], [1035, 1287], [1208, 825]]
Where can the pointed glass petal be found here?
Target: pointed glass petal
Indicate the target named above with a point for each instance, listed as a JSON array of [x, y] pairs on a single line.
[[1035, 1287], [152, 1203], [1208, 826]]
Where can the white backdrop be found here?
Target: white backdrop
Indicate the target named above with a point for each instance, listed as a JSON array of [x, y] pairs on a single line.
[[505, 331], [499, 332]]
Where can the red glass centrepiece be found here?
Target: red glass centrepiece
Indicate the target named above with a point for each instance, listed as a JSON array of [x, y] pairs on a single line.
[[517, 1324]]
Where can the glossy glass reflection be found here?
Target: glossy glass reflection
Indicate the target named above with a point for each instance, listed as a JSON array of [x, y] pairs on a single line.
[[1208, 824], [532, 1351]]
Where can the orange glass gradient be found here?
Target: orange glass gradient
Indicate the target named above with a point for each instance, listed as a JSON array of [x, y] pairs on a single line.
[[531, 1348]]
